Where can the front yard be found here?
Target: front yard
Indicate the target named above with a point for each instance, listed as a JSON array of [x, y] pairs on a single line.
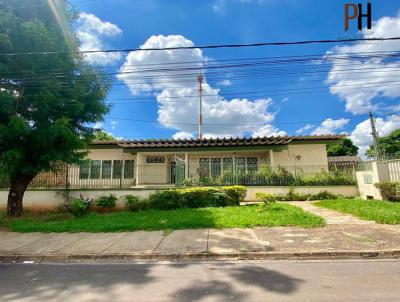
[[228, 217], [376, 210]]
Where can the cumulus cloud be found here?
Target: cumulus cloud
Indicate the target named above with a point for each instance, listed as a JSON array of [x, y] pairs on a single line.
[[371, 77], [177, 95], [361, 134], [225, 83], [91, 32], [304, 129], [330, 126]]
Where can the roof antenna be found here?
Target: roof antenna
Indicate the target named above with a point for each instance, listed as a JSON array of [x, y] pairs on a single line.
[[200, 80]]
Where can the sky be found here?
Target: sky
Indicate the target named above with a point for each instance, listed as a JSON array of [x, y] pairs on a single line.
[[260, 91]]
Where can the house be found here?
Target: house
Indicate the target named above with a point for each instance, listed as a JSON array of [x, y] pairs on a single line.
[[166, 162]]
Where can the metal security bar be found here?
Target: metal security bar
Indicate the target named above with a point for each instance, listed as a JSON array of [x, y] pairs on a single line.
[[247, 171]]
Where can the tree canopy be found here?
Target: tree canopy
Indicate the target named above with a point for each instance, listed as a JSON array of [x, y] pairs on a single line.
[[103, 136], [389, 146], [47, 101], [345, 147]]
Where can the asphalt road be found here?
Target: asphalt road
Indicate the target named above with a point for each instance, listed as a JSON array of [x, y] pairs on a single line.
[[369, 280]]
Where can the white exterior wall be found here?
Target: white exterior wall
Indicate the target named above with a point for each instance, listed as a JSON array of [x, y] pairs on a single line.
[[309, 154]]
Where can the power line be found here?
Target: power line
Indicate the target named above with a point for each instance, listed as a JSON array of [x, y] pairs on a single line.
[[211, 46]]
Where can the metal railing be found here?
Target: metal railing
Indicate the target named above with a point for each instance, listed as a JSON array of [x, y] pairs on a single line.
[[196, 173]]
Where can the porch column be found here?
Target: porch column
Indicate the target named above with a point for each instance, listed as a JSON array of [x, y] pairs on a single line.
[[271, 157], [186, 166], [138, 168]]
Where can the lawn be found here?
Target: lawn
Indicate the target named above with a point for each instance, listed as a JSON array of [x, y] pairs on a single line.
[[376, 210], [228, 217]]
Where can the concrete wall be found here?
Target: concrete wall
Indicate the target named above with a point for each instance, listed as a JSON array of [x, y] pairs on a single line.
[[366, 180], [40, 200]]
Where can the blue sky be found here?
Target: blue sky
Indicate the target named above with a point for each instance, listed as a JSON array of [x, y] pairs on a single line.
[[281, 109]]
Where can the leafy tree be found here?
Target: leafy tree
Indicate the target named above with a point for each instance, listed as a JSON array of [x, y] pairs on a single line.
[[389, 145], [345, 147], [103, 136], [47, 101]]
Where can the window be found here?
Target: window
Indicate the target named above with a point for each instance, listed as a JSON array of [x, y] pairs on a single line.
[[84, 170], [117, 169], [251, 164], [95, 169], [204, 167], [155, 159], [215, 167], [106, 169], [240, 165], [228, 165], [128, 169]]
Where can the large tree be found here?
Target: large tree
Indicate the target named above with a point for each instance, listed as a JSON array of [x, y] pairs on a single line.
[[388, 145], [343, 148], [47, 101]]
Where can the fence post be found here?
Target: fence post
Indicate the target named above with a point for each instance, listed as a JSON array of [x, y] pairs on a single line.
[[66, 178], [120, 174]]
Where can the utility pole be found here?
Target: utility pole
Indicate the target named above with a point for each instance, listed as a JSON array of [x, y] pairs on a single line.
[[200, 80], [375, 137]]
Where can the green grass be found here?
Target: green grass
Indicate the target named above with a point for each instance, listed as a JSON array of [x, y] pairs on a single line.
[[229, 217], [376, 210]]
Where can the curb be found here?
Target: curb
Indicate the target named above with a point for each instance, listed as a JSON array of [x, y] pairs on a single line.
[[132, 257]]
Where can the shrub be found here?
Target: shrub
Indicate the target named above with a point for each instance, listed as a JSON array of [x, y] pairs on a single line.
[[106, 202], [202, 197], [78, 207], [134, 204], [267, 198], [165, 200], [235, 194], [389, 190], [323, 195]]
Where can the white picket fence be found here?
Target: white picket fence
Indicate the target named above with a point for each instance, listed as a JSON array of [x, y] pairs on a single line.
[[394, 169]]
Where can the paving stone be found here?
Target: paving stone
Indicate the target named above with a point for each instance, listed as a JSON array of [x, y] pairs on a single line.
[[49, 244], [136, 242], [10, 241], [91, 243], [235, 240], [184, 241]]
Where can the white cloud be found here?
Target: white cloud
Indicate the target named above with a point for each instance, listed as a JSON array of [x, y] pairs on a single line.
[[361, 89], [361, 134], [269, 130], [303, 129], [330, 126], [91, 31], [225, 83], [177, 95], [219, 6], [182, 135], [114, 124]]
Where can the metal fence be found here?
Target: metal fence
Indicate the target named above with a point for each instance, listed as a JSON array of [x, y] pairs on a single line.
[[203, 172]]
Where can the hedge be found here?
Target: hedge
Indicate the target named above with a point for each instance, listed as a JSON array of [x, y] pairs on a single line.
[[389, 190]]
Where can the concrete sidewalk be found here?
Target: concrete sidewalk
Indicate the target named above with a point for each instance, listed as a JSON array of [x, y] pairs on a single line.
[[344, 237], [338, 241]]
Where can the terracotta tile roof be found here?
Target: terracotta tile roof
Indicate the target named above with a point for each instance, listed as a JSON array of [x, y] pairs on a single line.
[[218, 142]]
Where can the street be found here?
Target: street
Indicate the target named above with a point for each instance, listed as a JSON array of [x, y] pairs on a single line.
[[340, 280]]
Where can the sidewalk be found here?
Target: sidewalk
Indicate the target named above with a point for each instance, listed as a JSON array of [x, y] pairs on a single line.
[[343, 237]]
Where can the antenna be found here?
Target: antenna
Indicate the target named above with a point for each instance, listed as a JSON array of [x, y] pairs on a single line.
[[200, 80], [375, 137]]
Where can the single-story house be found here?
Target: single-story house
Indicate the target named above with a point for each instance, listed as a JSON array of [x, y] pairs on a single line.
[[164, 162]]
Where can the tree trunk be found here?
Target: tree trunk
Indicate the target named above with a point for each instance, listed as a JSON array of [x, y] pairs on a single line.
[[18, 186]]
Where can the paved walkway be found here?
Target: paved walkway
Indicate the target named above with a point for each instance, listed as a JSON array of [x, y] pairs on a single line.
[[343, 235], [330, 216]]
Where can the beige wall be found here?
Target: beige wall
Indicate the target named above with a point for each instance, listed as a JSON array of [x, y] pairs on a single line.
[[39, 200], [310, 154], [379, 172]]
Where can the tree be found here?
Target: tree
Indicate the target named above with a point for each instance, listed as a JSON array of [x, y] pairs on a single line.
[[389, 146], [103, 136], [345, 147], [47, 101]]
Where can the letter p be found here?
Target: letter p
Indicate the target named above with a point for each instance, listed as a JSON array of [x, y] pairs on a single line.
[[347, 15]]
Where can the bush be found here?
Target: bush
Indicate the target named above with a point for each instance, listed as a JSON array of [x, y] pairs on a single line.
[[235, 194], [323, 195], [165, 200], [389, 190], [267, 198], [134, 204], [202, 198], [106, 202], [78, 207]]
